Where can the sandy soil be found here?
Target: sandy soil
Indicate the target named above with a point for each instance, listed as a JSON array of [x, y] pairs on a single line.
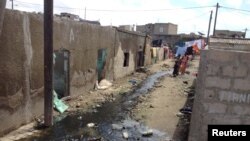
[[159, 109]]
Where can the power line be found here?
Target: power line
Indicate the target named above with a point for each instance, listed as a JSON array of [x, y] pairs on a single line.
[[235, 9], [116, 10], [151, 10]]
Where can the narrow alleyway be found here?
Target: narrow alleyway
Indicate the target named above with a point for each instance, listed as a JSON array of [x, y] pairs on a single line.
[[150, 104]]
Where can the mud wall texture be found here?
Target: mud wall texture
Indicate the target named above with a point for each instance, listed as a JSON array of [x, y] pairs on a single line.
[[131, 43], [21, 71], [222, 91]]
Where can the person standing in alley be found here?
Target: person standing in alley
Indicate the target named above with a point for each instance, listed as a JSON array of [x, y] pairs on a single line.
[[176, 68], [183, 65]]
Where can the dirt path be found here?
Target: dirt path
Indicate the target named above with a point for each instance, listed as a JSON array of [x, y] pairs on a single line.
[[159, 109]]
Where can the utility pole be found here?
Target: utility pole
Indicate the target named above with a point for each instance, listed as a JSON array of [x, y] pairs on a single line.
[[12, 4], [215, 20], [245, 33], [208, 32], [85, 13], [48, 62], [2, 9]]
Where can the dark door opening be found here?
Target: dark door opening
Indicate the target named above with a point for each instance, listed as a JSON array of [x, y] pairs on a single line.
[[101, 62], [61, 73], [140, 58], [126, 59]]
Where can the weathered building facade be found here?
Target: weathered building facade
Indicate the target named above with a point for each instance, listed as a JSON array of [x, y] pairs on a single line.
[[83, 53], [229, 34], [158, 29]]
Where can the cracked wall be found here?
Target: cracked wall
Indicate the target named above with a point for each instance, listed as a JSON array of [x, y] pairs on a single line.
[[21, 71]]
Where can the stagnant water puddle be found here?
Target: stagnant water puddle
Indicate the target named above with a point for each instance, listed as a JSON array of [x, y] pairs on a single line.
[[112, 120]]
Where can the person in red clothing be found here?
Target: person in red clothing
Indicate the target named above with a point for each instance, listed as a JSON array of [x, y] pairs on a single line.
[[183, 65]]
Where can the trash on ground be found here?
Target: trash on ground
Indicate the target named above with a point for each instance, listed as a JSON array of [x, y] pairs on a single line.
[[186, 110], [67, 98], [165, 65], [117, 127], [98, 106], [58, 104], [80, 117], [147, 133], [95, 139], [142, 69], [179, 114], [133, 82], [185, 82], [104, 84], [125, 135], [90, 125]]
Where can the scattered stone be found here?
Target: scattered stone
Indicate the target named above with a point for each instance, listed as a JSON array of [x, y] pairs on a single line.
[[125, 135], [78, 105], [165, 66], [90, 125], [185, 82], [117, 127], [151, 106], [80, 117], [98, 106], [147, 133], [157, 86]]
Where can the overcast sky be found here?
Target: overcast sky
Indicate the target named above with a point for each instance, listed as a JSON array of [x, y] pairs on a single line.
[[138, 12]]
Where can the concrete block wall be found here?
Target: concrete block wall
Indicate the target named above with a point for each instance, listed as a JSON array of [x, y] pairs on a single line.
[[222, 91]]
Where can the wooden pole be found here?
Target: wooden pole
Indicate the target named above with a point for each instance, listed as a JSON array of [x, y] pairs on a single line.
[[48, 62]]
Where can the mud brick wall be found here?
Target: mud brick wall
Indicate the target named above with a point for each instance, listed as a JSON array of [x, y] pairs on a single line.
[[222, 91], [21, 61]]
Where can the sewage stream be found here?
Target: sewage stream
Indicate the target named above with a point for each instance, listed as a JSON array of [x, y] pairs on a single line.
[[112, 120]]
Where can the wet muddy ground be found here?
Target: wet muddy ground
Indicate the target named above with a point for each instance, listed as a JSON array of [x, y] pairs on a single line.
[[112, 120]]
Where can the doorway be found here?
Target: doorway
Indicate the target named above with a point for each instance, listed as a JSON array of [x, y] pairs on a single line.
[[140, 59], [61, 73], [101, 62]]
